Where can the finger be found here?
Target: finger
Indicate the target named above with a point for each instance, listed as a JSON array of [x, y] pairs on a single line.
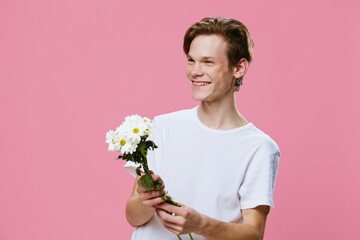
[[181, 205], [175, 230], [173, 227], [157, 177], [170, 218], [151, 194], [140, 189], [172, 230], [164, 216], [153, 202], [171, 208]]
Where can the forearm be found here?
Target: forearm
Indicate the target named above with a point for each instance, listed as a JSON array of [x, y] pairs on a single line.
[[138, 214], [213, 229]]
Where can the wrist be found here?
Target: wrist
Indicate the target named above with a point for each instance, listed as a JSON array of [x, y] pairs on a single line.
[[209, 226], [204, 225]]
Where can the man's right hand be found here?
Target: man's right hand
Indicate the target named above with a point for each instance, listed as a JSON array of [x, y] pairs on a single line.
[[140, 208], [151, 198]]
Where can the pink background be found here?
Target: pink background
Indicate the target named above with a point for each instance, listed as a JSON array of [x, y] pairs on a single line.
[[70, 70]]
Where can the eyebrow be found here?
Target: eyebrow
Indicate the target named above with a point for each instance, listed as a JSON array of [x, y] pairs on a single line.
[[204, 57]]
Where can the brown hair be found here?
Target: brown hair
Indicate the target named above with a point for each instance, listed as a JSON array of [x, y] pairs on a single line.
[[235, 33]]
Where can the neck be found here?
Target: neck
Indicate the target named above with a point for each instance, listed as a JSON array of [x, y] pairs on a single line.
[[221, 114]]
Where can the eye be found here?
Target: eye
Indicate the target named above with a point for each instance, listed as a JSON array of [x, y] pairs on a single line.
[[209, 62], [190, 60]]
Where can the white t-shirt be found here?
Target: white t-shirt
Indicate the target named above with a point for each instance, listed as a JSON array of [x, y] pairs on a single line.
[[216, 172]]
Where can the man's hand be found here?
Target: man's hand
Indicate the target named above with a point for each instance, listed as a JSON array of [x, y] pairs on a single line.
[[151, 198], [187, 220], [140, 206], [183, 220]]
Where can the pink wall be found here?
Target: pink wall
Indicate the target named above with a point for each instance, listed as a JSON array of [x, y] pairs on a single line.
[[71, 70]]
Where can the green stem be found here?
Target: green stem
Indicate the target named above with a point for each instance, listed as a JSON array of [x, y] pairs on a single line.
[[145, 166], [189, 235]]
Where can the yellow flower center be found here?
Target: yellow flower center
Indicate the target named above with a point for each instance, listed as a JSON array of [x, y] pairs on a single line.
[[113, 141], [136, 130], [122, 142]]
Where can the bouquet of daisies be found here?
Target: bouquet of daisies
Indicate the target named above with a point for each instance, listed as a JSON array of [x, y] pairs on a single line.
[[130, 139]]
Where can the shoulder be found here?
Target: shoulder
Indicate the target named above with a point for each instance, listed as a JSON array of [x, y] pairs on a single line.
[[264, 142], [176, 117]]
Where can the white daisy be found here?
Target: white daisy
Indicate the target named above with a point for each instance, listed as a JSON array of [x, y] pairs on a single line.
[[136, 127], [128, 147], [111, 140], [127, 136], [150, 126]]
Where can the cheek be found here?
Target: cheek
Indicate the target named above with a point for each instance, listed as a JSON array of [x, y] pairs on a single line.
[[226, 80], [188, 71]]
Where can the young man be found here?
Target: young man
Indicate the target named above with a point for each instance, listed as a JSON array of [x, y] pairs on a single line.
[[217, 165]]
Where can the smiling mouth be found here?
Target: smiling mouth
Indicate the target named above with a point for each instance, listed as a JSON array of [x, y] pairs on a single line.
[[200, 84]]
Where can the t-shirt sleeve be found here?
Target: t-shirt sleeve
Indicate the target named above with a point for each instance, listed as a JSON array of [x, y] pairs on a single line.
[[258, 184], [155, 136]]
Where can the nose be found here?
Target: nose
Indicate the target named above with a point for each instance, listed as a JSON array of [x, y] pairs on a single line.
[[196, 70]]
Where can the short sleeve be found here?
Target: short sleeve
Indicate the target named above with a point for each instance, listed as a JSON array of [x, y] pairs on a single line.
[[131, 166], [258, 184]]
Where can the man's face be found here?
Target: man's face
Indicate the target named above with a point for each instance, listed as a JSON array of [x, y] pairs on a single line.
[[208, 69]]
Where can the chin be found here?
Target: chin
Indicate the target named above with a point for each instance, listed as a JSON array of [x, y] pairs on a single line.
[[198, 97]]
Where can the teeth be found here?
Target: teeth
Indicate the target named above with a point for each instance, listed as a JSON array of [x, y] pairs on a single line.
[[200, 83]]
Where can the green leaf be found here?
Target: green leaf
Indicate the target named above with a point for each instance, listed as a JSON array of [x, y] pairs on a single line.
[[147, 182], [142, 147], [138, 171], [151, 145], [169, 200], [158, 185]]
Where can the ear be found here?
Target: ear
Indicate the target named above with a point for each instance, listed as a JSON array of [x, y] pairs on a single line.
[[241, 68]]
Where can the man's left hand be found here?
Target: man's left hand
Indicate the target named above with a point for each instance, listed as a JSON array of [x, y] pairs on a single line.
[[183, 220]]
